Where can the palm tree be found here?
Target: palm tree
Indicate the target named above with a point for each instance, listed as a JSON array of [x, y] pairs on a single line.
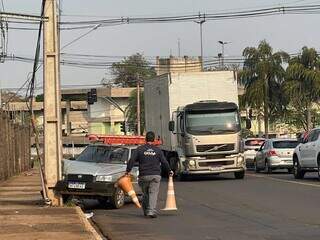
[[303, 83], [262, 76]]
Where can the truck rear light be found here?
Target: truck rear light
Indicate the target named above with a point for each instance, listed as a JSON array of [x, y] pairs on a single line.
[[272, 153]]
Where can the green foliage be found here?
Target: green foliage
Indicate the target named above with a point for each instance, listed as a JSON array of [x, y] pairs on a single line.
[[263, 75], [131, 111], [302, 86], [127, 72]]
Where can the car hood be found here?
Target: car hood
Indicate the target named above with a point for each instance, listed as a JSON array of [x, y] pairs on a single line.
[[95, 169]]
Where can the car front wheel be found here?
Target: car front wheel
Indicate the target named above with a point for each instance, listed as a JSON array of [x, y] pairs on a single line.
[[118, 198]]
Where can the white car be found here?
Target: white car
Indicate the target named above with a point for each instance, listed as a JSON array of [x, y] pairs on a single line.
[[251, 146], [306, 157]]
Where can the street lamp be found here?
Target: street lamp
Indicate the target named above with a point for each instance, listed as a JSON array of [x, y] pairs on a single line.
[[222, 46], [202, 20]]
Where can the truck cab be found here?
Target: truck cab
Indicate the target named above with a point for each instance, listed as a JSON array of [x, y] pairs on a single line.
[[208, 138]]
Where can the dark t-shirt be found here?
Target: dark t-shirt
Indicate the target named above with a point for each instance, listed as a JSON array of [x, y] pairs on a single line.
[[149, 158]]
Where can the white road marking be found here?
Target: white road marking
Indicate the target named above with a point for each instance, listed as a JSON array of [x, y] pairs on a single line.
[[285, 181]]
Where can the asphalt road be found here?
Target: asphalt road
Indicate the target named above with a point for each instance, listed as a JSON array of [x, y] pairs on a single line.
[[262, 206]]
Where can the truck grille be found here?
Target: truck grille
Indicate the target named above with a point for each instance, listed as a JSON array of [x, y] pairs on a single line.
[[216, 164], [215, 148], [80, 177]]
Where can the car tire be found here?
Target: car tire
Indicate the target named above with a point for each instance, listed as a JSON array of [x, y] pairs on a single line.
[[256, 169], [118, 199], [290, 170], [297, 171], [318, 161], [239, 175], [268, 169]]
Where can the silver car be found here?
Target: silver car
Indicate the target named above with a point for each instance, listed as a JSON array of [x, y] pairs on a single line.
[[275, 154], [94, 172]]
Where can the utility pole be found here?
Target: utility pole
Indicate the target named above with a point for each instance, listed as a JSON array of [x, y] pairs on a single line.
[[52, 102], [202, 20], [138, 106]]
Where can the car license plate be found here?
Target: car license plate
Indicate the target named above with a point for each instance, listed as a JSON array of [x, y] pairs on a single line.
[[75, 185]]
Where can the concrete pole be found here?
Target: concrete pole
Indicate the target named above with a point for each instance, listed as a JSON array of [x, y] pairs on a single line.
[[138, 107], [68, 123], [52, 102]]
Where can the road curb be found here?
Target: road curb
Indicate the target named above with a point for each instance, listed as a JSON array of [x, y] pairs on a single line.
[[88, 226]]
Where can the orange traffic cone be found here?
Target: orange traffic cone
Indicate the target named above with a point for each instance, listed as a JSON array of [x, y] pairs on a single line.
[[126, 185], [171, 199]]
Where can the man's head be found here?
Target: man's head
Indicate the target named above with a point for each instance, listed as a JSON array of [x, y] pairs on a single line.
[[150, 136]]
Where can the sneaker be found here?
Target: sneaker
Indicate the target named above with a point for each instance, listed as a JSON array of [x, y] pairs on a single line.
[[152, 216]]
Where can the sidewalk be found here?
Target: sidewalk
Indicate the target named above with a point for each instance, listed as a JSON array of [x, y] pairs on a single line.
[[23, 215]]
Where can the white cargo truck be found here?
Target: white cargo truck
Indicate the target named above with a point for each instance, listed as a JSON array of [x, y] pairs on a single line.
[[196, 116]]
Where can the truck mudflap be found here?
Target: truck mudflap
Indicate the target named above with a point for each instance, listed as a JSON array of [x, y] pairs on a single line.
[[214, 166]]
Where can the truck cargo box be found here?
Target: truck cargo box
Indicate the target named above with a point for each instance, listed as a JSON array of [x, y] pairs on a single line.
[[165, 93]]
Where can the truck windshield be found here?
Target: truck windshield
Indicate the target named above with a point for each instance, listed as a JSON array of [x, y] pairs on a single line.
[[212, 123]]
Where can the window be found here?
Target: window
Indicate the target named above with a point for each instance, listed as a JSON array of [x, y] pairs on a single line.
[[314, 136], [119, 155], [94, 154], [285, 144]]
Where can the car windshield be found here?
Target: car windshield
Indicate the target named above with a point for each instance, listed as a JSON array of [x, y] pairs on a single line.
[[119, 155], [254, 142], [212, 123], [285, 144], [105, 154], [95, 154]]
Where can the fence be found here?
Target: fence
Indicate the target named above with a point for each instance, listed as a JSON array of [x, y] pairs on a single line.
[[14, 147]]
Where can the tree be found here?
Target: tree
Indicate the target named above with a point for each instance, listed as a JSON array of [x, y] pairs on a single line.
[[131, 69], [302, 86], [262, 76], [131, 111]]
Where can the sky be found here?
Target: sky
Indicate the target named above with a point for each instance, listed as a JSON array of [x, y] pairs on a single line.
[[284, 32]]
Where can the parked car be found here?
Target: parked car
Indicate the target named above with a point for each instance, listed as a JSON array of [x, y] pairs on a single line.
[[275, 154], [94, 172], [251, 146], [306, 157]]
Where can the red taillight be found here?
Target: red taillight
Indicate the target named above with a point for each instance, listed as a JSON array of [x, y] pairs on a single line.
[[272, 153]]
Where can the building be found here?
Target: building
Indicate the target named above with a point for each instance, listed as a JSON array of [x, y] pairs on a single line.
[[178, 64], [79, 118]]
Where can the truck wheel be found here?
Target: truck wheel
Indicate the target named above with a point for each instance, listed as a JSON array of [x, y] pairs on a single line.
[[239, 175], [118, 198], [297, 171], [175, 165]]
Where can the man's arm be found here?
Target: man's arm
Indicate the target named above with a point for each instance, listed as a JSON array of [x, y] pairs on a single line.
[[132, 160], [164, 161]]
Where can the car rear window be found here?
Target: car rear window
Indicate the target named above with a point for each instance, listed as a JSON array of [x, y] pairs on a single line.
[[285, 144], [254, 142]]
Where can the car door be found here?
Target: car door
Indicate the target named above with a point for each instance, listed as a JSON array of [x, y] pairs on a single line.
[[312, 149], [304, 150], [259, 156]]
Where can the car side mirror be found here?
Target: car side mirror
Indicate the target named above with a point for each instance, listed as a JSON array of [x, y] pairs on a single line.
[[171, 126]]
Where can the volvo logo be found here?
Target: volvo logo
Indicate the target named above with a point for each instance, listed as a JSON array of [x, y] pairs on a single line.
[[216, 148]]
